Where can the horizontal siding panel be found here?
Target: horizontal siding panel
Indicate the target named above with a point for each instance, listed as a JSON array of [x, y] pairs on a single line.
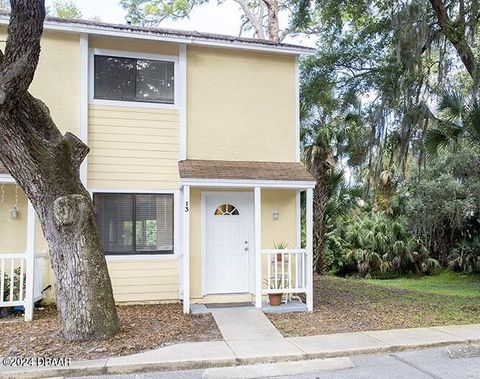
[[134, 123], [140, 154], [151, 281], [147, 297], [134, 115], [141, 265], [133, 146], [141, 289], [133, 161], [138, 138], [134, 185], [141, 169], [113, 130], [122, 109], [132, 176]]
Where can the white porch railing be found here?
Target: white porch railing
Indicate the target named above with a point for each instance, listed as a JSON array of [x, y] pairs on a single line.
[[286, 271], [13, 279]]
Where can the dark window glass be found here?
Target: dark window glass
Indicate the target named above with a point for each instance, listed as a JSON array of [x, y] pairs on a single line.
[[130, 223], [132, 79]]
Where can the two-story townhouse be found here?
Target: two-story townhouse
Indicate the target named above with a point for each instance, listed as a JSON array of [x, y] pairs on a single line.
[[194, 166]]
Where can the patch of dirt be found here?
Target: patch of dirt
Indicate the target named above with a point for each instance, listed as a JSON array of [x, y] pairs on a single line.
[[143, 327], [348, 305]]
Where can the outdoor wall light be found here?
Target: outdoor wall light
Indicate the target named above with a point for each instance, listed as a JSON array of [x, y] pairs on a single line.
[[275, 214], [14, 213]]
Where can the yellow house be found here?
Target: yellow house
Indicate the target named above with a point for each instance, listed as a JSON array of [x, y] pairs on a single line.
[[194, 166]]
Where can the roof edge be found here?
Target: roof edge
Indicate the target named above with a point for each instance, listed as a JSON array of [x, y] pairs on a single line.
[[166, 35]]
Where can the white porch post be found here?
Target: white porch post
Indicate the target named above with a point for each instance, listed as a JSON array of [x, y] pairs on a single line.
[[186, 249], [30, 258], [309, 247], [258, 247]]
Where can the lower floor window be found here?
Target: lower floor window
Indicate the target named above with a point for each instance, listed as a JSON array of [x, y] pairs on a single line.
[[135, 223]]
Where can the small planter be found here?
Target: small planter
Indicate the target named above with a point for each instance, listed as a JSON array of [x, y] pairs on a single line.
[[275, 299]]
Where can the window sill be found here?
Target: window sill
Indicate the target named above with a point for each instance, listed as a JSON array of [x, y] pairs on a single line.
[[133, 104], [142, 257]]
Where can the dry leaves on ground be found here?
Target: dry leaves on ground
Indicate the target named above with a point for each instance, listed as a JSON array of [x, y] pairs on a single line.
[[143, 327]]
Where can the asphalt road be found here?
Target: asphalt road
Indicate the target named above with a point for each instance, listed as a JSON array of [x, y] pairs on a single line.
[[430, 363]]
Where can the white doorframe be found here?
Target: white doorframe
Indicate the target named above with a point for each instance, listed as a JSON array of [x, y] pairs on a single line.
[[203, 235]]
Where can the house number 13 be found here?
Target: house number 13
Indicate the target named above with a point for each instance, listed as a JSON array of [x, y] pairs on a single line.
[[187, 208]]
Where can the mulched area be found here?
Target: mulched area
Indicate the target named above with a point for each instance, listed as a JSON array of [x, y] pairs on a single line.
[[350, 305], [143, 327]]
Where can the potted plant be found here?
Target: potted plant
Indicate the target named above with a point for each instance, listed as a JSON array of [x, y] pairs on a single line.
[[275, 299], [280, 246]]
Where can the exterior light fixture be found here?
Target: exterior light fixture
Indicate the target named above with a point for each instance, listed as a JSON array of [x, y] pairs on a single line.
[[14, 213], [275, 214]]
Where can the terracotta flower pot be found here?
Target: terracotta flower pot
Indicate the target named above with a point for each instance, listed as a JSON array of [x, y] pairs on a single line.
[[275, 299]]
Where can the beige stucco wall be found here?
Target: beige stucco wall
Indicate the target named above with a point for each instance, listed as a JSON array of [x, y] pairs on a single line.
[[241, 105], [13, 233], [281, 230]]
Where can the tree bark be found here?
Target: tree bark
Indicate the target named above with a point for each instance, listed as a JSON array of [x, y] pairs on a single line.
[[273, 27], [46, 165], [455, 33]]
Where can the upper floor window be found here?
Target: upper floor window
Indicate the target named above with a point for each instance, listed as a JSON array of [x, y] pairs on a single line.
[[132, 79]]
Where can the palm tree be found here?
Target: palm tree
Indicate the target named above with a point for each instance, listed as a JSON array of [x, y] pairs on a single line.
[[325, 145], [457, 123]]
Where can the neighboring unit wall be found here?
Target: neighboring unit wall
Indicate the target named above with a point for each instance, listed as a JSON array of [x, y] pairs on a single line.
[[241, 105]]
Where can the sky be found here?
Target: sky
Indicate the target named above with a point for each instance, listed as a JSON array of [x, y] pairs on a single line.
[[210, 17]]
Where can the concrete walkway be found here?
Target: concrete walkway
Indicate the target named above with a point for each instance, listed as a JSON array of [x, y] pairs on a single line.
[[242, 347], [249, 334]]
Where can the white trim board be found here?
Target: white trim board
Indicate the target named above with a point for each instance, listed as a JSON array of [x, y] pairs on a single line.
[[136, 55], [7, 179], [239, 183], [110, 31]]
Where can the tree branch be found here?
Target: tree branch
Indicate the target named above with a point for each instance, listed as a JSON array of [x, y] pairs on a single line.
[[455, 33], [22, 49]]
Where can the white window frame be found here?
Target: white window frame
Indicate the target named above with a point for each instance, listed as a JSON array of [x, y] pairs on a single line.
[[176, 225], [134, 55]]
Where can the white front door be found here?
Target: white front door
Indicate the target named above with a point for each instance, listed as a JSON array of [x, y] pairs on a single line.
[[229, 241]]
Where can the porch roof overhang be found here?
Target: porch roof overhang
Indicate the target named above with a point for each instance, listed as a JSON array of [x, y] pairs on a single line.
[[244, 174]]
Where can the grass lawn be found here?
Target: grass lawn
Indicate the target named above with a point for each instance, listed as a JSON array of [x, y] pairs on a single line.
[[347, 305], [444, 283]]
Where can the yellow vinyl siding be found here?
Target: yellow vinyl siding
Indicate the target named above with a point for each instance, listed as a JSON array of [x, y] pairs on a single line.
[[145, 280], [240, 105], [133, 148]]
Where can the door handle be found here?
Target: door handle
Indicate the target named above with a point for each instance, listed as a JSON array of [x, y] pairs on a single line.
[[246, 249]]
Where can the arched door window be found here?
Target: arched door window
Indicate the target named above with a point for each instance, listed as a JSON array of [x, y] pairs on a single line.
[[226, 210]]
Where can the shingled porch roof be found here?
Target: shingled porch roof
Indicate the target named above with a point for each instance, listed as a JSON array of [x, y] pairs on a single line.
[[243, 170]]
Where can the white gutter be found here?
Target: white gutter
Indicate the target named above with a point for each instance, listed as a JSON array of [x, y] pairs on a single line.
[[145, 35], [248, 183]]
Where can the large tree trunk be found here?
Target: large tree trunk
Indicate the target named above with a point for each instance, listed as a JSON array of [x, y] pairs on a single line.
[[46, 165], [320, 198]]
